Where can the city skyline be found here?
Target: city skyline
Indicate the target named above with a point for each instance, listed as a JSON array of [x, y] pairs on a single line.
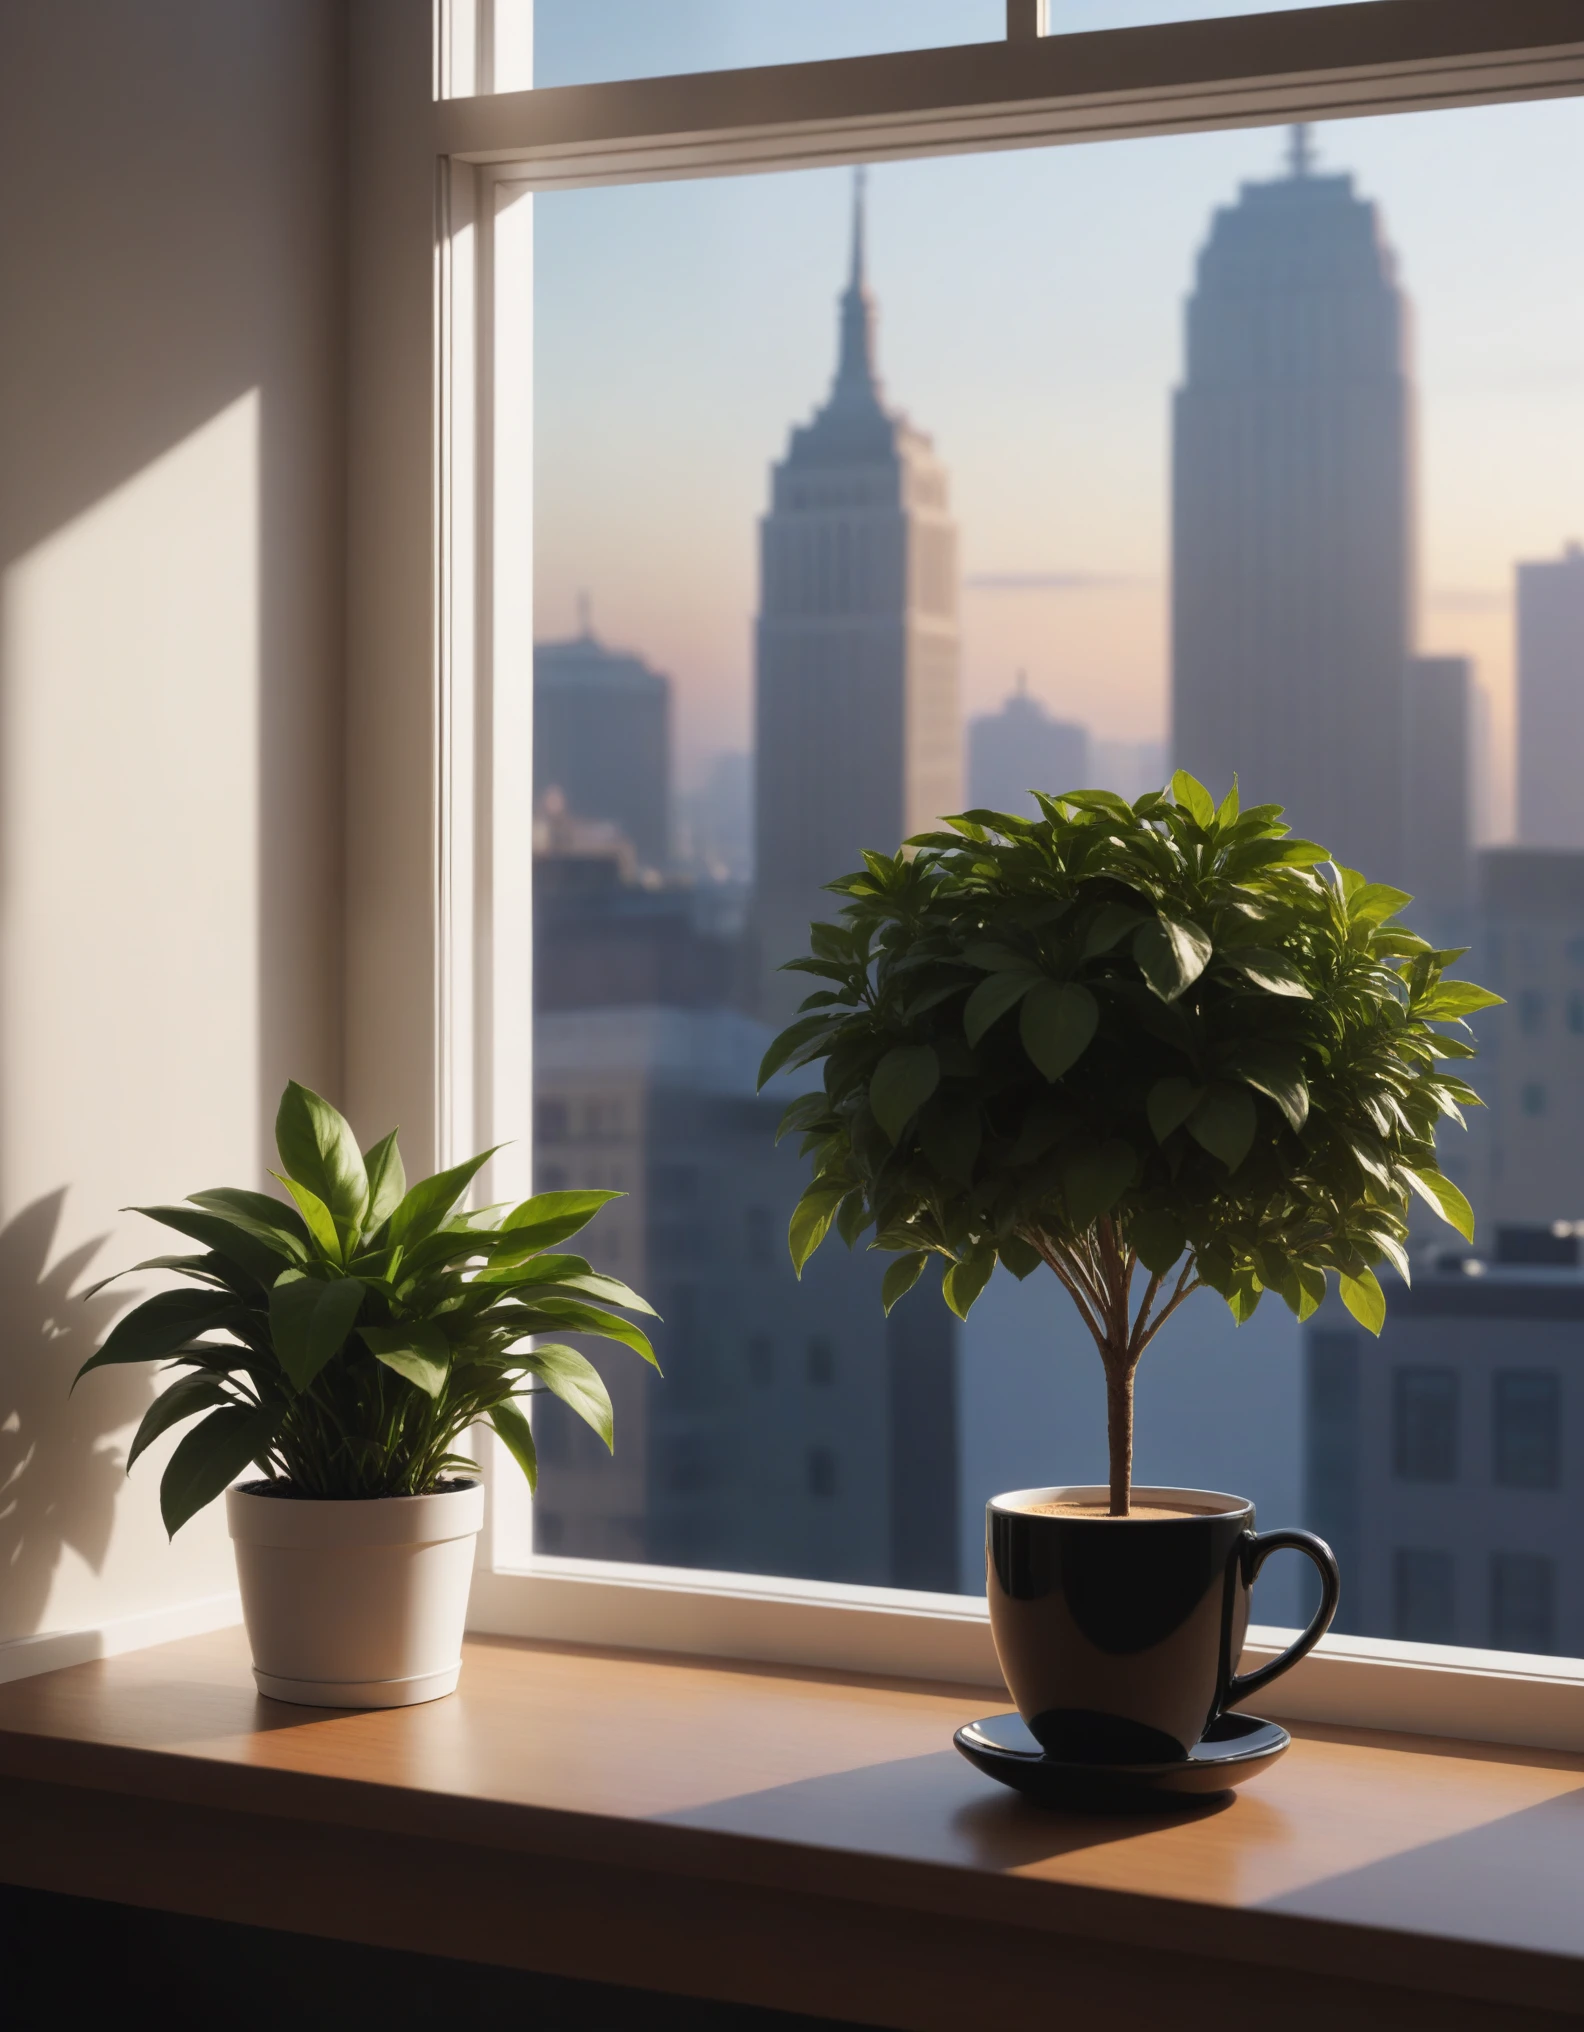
[[1063, 534]]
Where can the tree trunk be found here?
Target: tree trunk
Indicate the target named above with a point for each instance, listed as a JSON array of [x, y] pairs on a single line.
[[1119, 1430]]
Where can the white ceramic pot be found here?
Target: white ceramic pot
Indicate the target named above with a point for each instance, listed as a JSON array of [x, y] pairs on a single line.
[[355, 1603]]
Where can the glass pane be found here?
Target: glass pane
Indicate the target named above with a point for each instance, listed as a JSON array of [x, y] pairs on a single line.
[[1254, 452], [586, 42]]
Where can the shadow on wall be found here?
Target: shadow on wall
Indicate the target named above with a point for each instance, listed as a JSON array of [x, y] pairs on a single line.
[[60, 1475]]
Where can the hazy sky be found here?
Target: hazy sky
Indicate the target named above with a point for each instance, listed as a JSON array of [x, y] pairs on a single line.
[[1030, 320]]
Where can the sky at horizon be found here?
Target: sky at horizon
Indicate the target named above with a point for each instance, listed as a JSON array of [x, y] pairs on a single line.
[[1030, 308]]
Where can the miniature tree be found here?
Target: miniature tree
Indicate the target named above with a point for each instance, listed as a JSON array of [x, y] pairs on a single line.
[[1152, 1046]]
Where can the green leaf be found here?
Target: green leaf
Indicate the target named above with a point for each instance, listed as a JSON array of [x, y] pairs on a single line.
[[309, 1322], [1095, 1178], [1172, 953], [1453, 1000], [793, 1039], [209, 1459], [1159, 1239], [1279, 1075], [260, 1215], [966, 1278], [1271, 971], [901, 1276], [1191, 794], [184, 1399], [802, 1113], [517, 1434], [319, 1220], [994, 996], [161, 1325], [950, 1134], [900, 1085], [1312, 1290], [1364, 1298], [1375, 902], [425, 1208], [417, 1350], [576, 1381], [1244, 1297], [206, 1268], [811, 1219], [387, 1181], [1227, 811], [1112, 923], [1018, 1256], [551, 1217], [1224, 1123], [319, 1151], [575, 1317], [1057, 1025], [1171, 1101], [262, 1260], [1443, 1195]]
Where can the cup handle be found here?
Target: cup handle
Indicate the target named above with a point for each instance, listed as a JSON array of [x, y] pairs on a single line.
[[1255, 1549]]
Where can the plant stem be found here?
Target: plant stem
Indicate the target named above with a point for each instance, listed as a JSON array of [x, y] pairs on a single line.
[[1119, 1429]]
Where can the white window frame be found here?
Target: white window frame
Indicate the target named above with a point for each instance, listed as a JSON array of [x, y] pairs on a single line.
[[440, 636]]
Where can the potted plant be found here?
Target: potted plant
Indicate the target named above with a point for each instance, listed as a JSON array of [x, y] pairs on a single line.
[[342, 1345], [1152, 1048]]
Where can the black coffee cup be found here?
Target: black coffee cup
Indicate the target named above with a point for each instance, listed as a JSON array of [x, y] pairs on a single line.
[[1118, 1635]]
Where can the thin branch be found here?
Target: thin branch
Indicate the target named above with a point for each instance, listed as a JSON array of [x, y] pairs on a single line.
[[1185, 1289], [1049, 1254], [1141, 1317]]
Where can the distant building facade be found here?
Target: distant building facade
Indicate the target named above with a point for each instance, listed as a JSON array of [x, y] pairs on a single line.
[[1021, 749], [857, 743], [796, 1430], [1523, 1160], [602, 738], [1293, 514], [1551, 701], [1444, 1463], [1438, 865]]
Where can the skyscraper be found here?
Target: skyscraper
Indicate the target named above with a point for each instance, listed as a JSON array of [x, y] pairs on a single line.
[[856, 733], [1022, 749], [1293, 513], [602, 737], [1438, 854], [1551, 701]]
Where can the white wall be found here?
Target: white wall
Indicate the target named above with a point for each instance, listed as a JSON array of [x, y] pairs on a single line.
[[1217, 1406], [171, 426]]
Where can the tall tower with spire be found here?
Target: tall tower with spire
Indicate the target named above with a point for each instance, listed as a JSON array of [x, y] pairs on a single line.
[[1293, 533], [857, 742]]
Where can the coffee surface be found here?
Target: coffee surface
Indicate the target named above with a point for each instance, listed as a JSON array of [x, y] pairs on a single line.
[[1101, 1510]]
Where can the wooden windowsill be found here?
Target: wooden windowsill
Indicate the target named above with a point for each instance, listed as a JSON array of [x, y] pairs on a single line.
[[803, 1840]]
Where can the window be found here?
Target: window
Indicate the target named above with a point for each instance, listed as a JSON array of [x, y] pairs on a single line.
[[1526, 1428], [821, 1362], [1424, 1605], [821, 1473], [1523, 1602], [761, 1361], [1534, 1097], [761, 1226], [689, 942], [550, 1122], [1425, 1425], [1531, 1012]]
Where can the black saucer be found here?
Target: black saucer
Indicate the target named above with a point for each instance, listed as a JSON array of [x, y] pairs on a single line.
[[1234, 1747]]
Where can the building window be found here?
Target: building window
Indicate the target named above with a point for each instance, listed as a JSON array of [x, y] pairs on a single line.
[[1424, 1425], [821, 1472], [1526, 1428], [1534, 1098], [1423, 1608], [761, 1361], [1531, 1012], [550, 1178], [1575, 1015], [550, 1121], [761, 1238], [821, 1362], [1523, 1602]]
